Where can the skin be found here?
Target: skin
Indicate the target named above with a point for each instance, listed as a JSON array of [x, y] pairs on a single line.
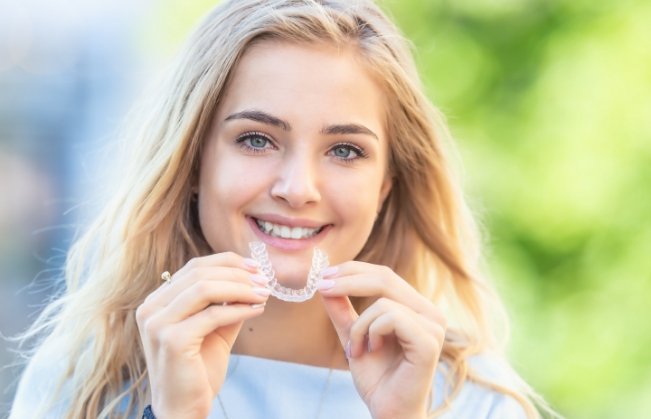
[[324, 165]]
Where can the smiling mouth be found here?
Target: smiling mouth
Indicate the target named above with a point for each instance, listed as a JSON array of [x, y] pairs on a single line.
[[287, 232]]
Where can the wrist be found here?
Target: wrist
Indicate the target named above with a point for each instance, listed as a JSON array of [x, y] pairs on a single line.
[[148, 413], [423, 413]]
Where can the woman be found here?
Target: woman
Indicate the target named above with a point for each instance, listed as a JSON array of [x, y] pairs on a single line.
[[298, 124]]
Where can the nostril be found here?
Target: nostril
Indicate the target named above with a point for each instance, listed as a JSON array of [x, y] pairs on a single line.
[[296, 193]]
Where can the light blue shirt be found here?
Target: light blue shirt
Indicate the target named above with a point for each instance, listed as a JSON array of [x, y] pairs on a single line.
[[258, 388]]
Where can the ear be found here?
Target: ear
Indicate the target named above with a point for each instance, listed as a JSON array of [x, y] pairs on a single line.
[[194, 193], [387, 184]]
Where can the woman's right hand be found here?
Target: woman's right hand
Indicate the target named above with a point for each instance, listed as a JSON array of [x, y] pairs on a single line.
[[187, 333]]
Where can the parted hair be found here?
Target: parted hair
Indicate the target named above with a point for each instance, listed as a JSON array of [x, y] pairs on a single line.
[[424, 231]]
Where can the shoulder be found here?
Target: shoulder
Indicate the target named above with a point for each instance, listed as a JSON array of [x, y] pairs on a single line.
[[477, 400], [39, 385]]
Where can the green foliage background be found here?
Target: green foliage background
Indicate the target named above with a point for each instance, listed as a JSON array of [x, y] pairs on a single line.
[[550, 102]]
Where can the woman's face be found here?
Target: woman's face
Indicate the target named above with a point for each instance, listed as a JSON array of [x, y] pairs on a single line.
[[296, 157]]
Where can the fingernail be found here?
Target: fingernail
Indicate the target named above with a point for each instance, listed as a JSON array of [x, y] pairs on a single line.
[[325, 284], [347, 350], [329, 271], [265, 292], [259, 279], [259, 305], [250, 263]]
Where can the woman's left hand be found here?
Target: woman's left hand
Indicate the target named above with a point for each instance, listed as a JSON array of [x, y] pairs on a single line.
[[394, 345]]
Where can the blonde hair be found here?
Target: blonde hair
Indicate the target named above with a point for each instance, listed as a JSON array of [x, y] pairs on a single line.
[[424, 232]]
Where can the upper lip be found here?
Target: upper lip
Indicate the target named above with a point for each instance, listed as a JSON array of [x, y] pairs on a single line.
[[289, 222]]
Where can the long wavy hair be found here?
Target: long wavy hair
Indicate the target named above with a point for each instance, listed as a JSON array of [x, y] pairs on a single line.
[[425, 231]]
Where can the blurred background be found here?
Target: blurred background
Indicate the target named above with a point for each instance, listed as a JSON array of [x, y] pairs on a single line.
[[549, 100]]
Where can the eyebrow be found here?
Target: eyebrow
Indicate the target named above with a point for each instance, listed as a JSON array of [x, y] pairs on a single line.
[[348, 129], [260, 116], [265, 118]]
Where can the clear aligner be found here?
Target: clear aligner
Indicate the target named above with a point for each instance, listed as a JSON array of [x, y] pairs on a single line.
[[319, 263]]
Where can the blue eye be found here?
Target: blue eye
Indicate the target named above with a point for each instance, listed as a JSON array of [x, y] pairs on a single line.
[[255, 142], [347, 152], [342, 152], [258, 142]]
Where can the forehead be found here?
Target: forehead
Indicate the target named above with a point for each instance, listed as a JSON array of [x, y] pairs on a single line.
[[305, 81]]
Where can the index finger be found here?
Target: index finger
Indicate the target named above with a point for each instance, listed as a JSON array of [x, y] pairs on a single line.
[[227, 266], [361, 279], [225, 259]]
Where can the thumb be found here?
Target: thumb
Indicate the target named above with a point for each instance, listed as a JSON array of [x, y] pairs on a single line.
[[342, 314]]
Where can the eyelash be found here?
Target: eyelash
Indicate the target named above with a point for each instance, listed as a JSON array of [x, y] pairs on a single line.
[[243, 140], [361, 154], [247, 136]]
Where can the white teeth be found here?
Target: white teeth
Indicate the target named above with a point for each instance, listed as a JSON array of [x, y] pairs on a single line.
[[286, 232], [296, 233]]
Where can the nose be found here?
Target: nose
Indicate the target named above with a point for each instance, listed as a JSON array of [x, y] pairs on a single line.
[[297, 181]]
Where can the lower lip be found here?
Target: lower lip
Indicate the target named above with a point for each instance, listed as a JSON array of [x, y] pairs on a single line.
[[287, 244]]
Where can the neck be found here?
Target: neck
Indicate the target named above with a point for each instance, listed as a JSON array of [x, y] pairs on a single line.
[[292, 332]]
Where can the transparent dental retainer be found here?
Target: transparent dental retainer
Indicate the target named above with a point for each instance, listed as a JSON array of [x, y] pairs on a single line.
[[319, 263]]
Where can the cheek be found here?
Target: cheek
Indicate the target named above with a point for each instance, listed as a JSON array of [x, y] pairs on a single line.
[[225, 185], [356, 211], [356, 199], [229, 178]]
